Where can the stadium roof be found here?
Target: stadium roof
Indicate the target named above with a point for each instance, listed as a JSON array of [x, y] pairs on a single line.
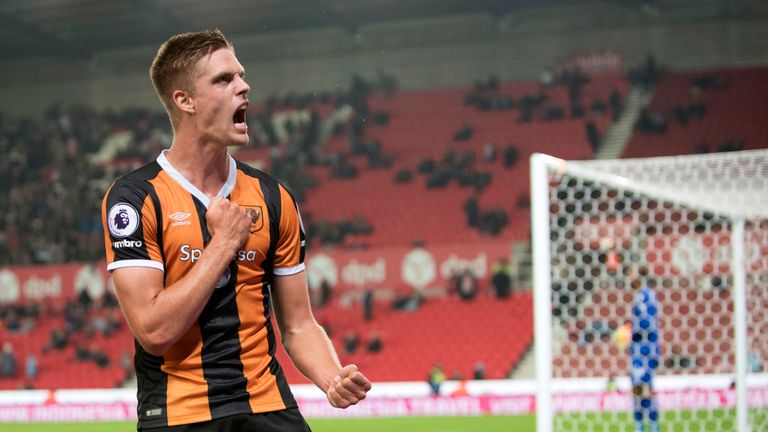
[[82, 28]]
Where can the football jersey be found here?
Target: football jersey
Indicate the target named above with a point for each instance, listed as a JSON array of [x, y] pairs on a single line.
[[225, 364]]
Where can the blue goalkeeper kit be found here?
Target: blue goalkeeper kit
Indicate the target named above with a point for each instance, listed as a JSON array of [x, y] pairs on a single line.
[[645, 352]]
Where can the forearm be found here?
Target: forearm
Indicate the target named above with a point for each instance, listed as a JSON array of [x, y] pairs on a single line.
[[313, 354], [175, 308]]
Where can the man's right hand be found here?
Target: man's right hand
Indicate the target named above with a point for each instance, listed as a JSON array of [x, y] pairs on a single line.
[[227, 223]]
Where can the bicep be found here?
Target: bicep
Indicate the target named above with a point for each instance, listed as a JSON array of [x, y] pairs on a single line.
[[136, 288], [291, 302]]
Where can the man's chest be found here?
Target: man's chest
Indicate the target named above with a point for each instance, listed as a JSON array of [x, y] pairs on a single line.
[[185, 232]]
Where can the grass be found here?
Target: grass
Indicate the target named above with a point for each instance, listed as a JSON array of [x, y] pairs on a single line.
[[680, 421], [410, 424]]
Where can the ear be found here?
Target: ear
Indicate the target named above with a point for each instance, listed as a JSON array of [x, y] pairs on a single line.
[[183, 101]]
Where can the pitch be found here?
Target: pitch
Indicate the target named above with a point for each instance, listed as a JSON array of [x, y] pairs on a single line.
[[414, 424], [694, 421]]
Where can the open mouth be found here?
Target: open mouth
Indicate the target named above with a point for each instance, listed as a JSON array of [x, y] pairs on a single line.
[[239, 118]]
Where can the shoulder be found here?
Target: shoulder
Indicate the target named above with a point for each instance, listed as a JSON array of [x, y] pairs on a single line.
[[133, 187], [256, 174], [138, 178], [268, 181]]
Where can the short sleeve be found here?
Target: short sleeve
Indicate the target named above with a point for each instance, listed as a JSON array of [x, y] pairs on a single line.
[[289, 252], [130, 227]]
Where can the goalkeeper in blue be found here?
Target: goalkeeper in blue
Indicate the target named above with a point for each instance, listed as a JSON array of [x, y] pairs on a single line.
[[644, 352]]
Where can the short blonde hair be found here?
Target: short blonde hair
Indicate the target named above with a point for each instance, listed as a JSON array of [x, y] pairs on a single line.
[[173, 68]]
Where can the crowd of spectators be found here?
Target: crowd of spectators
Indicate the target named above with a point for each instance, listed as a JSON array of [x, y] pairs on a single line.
[[294, 131], [55, 172], [686, 111], [83, 319], [73, 154], [57, 168]]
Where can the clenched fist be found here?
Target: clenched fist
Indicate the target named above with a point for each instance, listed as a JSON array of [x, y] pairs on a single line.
[[348, 387], [227, 223]]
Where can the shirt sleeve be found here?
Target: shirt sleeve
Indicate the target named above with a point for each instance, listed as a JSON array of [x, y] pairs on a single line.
[[289, 253], [130, 227]]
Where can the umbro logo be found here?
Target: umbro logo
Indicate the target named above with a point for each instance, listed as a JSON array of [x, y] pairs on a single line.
[[180, 218]]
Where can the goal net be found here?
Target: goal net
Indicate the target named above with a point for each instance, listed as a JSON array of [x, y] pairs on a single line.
[[692, 231]]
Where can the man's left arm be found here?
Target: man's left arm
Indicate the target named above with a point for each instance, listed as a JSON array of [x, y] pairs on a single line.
[[309, 346]]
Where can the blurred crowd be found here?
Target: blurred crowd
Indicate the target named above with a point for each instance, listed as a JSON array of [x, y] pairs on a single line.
[[84, 322], [59, 166], [55, 172]]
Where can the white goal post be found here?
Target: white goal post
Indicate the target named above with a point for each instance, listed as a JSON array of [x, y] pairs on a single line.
[[700, 223]]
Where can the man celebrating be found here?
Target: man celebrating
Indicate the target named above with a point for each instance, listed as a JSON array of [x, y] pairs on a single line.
[[204, 245]]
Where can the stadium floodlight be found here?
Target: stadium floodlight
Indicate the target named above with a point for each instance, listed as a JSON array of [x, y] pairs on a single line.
[[699, 225]]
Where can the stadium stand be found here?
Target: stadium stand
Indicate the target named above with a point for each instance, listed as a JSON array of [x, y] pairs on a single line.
[[448, 330], [733, 117], [422, 125]]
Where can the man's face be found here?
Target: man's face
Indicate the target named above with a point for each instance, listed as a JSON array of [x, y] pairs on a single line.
[[221, 98]]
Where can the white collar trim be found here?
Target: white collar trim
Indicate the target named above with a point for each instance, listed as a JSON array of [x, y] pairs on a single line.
[[226, 189]]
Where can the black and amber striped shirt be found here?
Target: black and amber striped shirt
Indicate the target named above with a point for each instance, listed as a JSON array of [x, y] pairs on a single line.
[[225, 364]]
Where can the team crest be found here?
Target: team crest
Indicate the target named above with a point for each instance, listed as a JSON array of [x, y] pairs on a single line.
[[257, 217]]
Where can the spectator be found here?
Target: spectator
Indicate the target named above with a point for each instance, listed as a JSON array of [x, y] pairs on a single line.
[[489, 152], [126, 365], [466, 285], [510, 155], [109, 300], [464, 133], [7, 361], [647, 74], [403, 176], [501, 277], [374, 342], [351, 342], [82, 352], [99, 357], [427, 166], [614, 100], [494, 221], [553, 113], [368, 304], [593, 136], [472, 211], [577, 110], [58, 341], [12, 321], [31, 367], [478, 371], [651, 122], [408, 303], [75, 317], [436, 378], [325, 293]]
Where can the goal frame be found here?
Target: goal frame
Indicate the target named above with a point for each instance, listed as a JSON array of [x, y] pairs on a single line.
[[540, 167]]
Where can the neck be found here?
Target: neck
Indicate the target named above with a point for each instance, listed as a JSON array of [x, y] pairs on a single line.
[[204, 164]]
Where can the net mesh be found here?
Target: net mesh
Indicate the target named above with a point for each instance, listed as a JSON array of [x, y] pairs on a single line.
[[672, 217]]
